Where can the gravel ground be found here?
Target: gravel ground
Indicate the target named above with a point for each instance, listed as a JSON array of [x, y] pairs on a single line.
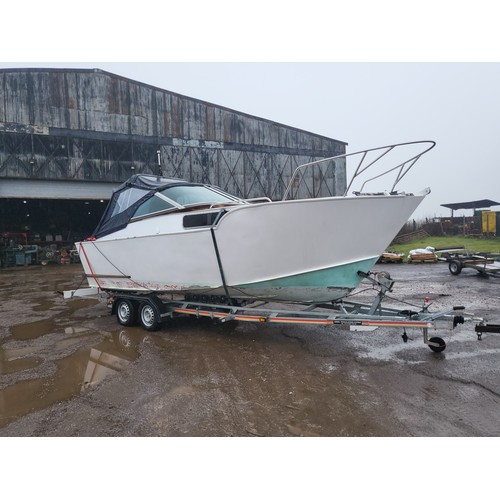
[[67, 368]]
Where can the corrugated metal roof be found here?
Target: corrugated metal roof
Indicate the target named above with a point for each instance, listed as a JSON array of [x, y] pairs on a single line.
[[467, 205]]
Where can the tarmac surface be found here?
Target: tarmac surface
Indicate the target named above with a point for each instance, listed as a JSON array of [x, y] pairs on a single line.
[[67, 368]]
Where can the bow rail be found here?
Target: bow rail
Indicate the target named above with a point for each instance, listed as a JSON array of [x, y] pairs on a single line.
[[368, 158]]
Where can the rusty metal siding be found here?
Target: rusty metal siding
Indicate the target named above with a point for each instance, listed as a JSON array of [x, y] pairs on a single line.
[[108, 103], [15, 91], [177, 117], [209, 130], [218, 124], [92, 125], [162, 114]]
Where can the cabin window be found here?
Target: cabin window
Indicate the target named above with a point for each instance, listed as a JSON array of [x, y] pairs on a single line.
[[152, 205], [193, 195], [198, 220], [127, 198]]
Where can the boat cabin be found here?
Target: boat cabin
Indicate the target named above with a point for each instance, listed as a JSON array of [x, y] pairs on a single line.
[[148, 195]]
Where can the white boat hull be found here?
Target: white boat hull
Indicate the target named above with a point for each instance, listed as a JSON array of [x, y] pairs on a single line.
[[302, 250]]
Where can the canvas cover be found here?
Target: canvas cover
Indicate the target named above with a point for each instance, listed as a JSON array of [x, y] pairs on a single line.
[[127, 198]]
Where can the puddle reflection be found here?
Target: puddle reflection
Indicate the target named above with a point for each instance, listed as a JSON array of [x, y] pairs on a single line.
[[75, 374], [111, 357]]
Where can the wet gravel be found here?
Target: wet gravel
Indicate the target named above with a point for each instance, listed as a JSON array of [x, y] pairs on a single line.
[[67, 368]]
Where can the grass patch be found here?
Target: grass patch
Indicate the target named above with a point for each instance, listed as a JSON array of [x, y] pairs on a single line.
[[472, 245]]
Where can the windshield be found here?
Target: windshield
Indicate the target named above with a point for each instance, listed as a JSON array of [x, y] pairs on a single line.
[[153, 205], [194, 195]]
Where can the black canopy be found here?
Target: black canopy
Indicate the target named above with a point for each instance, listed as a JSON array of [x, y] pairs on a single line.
[[471, 205], [127, 198]]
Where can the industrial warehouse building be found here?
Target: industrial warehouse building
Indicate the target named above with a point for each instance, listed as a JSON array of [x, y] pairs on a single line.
[[69, 137]]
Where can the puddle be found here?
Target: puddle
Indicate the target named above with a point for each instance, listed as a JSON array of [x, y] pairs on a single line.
[[29, 331], [18, 365], [18, 359], [28, 396], [75, 304], [35, 329], [44, 305], [56, 286], [18, 400], [17, 352], [100, 365], [68, 342], [84, 368], [111, 356], [71, 330]]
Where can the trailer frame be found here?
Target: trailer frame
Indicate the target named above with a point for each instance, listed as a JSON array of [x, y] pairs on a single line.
[[151, 310], [485, 265]]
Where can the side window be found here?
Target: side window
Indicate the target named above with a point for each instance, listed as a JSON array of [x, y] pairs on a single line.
[[198, 220], [154, 204], [127, 198]]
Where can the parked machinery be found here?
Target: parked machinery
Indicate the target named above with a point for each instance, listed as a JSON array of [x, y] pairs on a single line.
[[16, 250]]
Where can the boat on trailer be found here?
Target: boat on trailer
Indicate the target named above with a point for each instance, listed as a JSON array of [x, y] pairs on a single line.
[[161, 235], [166, 248]]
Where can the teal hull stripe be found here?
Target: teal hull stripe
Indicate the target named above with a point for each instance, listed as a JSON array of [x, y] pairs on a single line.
[[343, 276]]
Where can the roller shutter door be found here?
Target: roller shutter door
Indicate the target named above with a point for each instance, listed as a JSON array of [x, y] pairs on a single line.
[[56, 190]]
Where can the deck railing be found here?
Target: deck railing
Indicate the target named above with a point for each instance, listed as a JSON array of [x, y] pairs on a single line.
[[386, 159]]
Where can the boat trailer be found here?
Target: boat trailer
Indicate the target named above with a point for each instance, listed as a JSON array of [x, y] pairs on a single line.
[[457, 260], [151, 310]]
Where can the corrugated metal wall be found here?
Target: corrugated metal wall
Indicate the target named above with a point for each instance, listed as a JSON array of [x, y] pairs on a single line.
[[89, 125]]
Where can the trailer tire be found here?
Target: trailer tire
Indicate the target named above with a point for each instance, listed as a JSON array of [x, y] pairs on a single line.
[[455, 267], [149, 317], [437, 340], [126, 312]]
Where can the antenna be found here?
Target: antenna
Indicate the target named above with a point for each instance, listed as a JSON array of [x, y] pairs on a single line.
[[160, 172]]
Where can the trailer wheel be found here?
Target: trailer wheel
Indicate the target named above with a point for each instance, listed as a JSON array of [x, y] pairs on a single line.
[[148, 316], [437, 340], [126, 312], [455, 267]]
